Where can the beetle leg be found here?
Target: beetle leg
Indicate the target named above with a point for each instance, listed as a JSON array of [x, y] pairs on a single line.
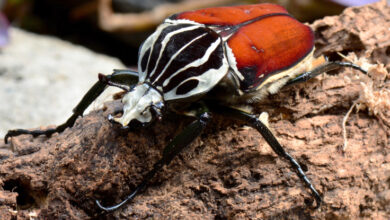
[[255, 122], [324, 68], [118, 77], [181, 141]]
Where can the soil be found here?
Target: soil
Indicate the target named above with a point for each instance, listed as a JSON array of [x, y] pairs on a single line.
[[229, 172]]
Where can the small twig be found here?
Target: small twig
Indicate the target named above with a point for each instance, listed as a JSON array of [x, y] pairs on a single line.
[[344, 128]]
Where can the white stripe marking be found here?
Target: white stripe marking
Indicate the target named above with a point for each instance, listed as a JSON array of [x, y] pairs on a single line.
[[149, 43], [197, 62], [165, 41], [176, 54], [232, 61], [206, 82], [183, 21]]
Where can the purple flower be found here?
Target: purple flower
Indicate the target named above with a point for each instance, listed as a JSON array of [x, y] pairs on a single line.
[[4, 25], [354, 2]]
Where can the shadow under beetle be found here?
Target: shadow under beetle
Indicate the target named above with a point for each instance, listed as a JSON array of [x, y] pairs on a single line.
[[219, 58]]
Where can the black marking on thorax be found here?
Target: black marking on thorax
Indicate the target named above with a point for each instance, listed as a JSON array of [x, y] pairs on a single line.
[[161, 65]]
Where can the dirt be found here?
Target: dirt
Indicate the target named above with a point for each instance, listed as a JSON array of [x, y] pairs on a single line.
[[229, 172]]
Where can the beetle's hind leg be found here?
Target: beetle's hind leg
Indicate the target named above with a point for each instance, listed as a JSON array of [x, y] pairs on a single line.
[[328, 66], [117, 78], [181, 141], [256, 123]]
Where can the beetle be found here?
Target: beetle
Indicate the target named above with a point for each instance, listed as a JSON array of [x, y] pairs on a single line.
[[210, 61]]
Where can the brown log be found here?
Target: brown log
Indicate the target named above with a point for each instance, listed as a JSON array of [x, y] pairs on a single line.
[[229, 172]]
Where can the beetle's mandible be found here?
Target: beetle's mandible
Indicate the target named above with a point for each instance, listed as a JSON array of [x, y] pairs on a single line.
[[215, 58]]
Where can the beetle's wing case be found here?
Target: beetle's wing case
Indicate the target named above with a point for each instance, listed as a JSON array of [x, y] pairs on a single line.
[[182, 59], [229, 16], [265, 46]]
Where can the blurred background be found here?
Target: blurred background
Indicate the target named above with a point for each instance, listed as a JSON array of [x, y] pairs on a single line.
[[52, 50], [117, 27]]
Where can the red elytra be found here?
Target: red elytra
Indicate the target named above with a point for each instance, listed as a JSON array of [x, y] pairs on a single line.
[[266, 46]]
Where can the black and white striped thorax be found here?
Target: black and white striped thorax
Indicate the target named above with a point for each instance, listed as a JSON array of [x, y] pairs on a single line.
[[182, 59]]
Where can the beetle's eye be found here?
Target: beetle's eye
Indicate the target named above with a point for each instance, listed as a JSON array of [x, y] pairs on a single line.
[[131, 88]]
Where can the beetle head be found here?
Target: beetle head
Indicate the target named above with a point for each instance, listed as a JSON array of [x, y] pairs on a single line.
[[142, 103]]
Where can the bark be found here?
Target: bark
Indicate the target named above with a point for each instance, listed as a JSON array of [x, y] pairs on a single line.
[[229, 171]]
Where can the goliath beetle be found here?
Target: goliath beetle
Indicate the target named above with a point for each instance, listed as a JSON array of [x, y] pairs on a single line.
[[215, 58]]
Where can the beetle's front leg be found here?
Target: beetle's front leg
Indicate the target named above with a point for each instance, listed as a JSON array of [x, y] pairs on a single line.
[[118, 77], [181, 141], [328, 66], [256, 123]]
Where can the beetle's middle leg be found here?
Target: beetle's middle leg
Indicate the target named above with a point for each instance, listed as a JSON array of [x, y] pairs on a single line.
[[184, 139], [118, 77], [328, 66], [256, 123]]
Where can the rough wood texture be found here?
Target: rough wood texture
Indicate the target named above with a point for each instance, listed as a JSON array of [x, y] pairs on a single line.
[[229, 172]]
